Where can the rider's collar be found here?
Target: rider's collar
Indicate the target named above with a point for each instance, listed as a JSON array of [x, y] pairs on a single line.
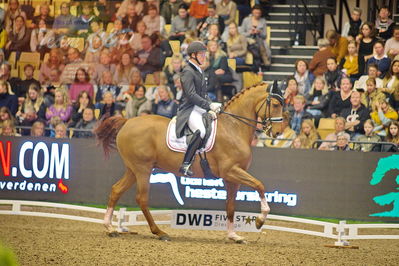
[[197, 67]]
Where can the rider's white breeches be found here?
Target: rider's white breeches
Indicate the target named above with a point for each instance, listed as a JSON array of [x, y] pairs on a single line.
[[195, 121]]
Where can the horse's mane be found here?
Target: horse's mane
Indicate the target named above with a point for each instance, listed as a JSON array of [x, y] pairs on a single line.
[[242, 92]]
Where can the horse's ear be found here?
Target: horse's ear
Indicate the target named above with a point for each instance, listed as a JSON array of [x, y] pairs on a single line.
[[276, 93]]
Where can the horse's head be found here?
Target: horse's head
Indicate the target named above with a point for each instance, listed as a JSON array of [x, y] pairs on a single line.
[[270, 110]]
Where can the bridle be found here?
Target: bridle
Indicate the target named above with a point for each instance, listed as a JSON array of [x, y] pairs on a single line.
[[267, 120]]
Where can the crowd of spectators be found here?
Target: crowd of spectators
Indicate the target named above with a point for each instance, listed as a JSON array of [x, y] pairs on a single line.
[[118, 58]]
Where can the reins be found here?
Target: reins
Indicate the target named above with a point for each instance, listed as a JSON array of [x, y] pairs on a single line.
[[242, 119]]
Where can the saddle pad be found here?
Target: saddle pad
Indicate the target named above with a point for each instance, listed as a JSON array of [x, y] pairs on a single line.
[[180, 144]]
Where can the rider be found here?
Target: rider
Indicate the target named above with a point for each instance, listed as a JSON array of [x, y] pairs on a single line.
[[195, 102]]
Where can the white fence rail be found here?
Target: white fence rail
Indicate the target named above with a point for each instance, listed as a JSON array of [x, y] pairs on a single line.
[[341, 232]]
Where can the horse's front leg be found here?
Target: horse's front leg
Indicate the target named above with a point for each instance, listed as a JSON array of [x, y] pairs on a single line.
[[230, 208], [240, 176]]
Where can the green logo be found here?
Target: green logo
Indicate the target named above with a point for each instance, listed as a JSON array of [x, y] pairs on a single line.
[[384, 166]]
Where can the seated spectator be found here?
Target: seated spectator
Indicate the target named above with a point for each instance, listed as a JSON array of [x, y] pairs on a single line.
[[105, 65], [393, 133], [333, 75], [152, 20], [5, 75], [236, 45], [105, 10], [214, 35], [297, 143], [18, 38], [37, 129], [135, 83], [308, 134], [139, 7], [284, 139], [50, 86], [218, 63], [383, 24], [81, 83], [107, 84], [75, 62], [131, 18], [175, 67], [34, 101], [83, 129], [93, 52], [108, 107], [55, 61], [299, 114], [189, 38], [147, 60], [60, 131], [352, 64], [366, 40], [82, 23], [331, 138], [170, 9], [211, 19], [44, 15], [303, 77], [29, 80], [161, 80], [342, 142], [61, 107], [124, 70], [227, 10], [352, 27], [340, 99], [8, 129], [84, 101], [178, 87], [29, 118], [371, 95], [369, 136], [382, 115], [199, 9], [164, 105], [318, 64], [339, 44], [62, 23], [290, 92], [96, 29], [372, 72], [355, 116], [137, 103], [135, 39], [5, 114], [392, 45], [181, 24], [6, 99], [13, 11], [380, 59], [42, 39], [318, 98], [391, 80], [113, 36]]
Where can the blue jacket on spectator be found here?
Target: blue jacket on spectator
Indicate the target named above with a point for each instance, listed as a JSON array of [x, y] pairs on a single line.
[[165, 108], [383, 64], [10, 101]]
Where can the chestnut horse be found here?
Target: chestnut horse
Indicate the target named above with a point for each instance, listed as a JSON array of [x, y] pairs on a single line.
[[142, 145]]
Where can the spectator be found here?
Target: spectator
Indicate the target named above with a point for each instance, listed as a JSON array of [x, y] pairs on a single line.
[[352, 64], [139, 7], [105, 65], [290, 92], [147, 60], [135, 39], [34, 101], [372, 94], [331, 138], [135, 83], [105, 10], [107, 84], [60, 131], [81, 83], [340, 99], [236, 45], [29, 117], [164, 105], [227, 10], [5, 114], [333, 75], [393, 133], [124, 70], [96, 29], [284, 139], [351, 28], [75, 62], [303, 77], [170, 9], [178, 87], [93, 52], [366, 40], [153, 20], [372, 71], [392, 45], [84, 101], [318, 64], [82, 23], [37, 129], [317, 99], [18, 38], [391, 80], [355, 116], [218, 63], [5, 75], [382, 115], [113, 36], [25, 84], [211, 19], [379, 58], [63, 23], [297, 143], [342, 142], [308, 134], [213, 35], [175, 67], [369, 136], [131, 19], [42, 39], [44, 15], [50, 86], [108, 107], [8, 129], [84, 127], [137, 103], [199, 9], [61, 107], [299, 114], [339, 44], [181, 24], [383, 24], [13, 11], [7, 99]]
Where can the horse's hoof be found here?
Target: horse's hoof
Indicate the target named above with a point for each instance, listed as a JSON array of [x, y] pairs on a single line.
[[240, 241], [259, 222], [164, 238], [113, 234]]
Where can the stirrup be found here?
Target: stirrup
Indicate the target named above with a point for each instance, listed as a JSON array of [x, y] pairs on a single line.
[[185, 169]]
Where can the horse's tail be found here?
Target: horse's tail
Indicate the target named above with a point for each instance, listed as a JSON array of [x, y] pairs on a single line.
[[107, 131]]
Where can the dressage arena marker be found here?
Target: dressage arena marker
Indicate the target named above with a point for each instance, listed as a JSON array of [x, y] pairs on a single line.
[[341, 232]]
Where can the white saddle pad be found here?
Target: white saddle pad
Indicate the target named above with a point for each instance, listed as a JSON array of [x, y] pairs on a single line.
[[180, 144]]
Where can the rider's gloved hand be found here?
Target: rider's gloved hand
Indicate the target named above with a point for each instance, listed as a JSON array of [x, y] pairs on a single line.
[[213, 114], [215, 107]]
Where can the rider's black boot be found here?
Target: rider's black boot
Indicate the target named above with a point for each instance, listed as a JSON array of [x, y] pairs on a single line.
[[193, 146]]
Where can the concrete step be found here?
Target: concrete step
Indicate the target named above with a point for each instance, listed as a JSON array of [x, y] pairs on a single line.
[[273, 75], [280, 41], [281, 33], [294, 50], [287, 8], [289, 59], [278, 67]]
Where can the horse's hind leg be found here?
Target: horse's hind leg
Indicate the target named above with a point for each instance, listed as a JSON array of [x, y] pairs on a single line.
[[118, 189], [230, 208]]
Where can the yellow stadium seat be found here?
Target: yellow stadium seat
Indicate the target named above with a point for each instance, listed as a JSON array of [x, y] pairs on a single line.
[[250, 79], [249, 58], [110, 27], [12, 59], [14, 73], [168, 27], [46, 57], [28, 57], [77, 42], [326, 126], [232, 63], [149, 79], [74, 11], [168, 61], [175, 45], [97, 113]]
